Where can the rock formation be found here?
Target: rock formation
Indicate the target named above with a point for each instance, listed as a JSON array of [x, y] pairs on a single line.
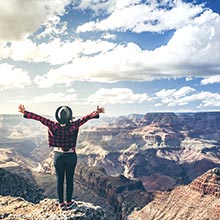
[[208, 183], [16, 185], [197, 201], [175, 148], [16, 208], [121, 193]]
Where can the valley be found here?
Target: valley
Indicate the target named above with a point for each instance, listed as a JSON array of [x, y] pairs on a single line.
[[137, 155]]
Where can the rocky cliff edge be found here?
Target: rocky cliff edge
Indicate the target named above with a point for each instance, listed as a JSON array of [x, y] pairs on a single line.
[[16, 208]]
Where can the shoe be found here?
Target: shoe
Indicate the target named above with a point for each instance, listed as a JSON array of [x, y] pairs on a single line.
[[63, 206], [70, 205]]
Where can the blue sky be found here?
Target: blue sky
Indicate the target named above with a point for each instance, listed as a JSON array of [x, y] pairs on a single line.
[[129, 56]]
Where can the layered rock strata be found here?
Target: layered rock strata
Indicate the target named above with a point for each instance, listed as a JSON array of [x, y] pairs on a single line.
[[208, 184], [196, 201]]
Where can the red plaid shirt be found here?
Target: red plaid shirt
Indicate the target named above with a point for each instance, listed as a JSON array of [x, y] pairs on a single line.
[[60, 136]]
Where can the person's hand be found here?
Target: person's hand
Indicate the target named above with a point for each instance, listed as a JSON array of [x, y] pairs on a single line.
[[100, 110], [21, 109], [97, 111]]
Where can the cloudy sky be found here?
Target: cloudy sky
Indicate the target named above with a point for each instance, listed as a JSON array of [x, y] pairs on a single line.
[[130, 56]]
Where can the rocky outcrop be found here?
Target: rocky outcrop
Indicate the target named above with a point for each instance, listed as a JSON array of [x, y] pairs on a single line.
[[208, 183], [123, 194], [15, 185], [196, 201], [12, 208]]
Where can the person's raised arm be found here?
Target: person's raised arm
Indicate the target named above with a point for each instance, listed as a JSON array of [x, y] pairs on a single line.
[[31, 115], [94, 114]]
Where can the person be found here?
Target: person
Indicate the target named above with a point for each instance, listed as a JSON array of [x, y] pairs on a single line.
[[62, 136]]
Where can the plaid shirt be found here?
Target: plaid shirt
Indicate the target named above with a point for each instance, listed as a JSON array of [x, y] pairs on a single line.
[[60, 136]]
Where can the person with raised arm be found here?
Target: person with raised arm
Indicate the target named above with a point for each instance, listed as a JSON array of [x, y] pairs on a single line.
[[62, 136]]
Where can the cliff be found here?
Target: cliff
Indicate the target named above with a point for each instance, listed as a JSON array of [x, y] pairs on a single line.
[[123, 195], [15, 185], [197, 201], [15, 208]]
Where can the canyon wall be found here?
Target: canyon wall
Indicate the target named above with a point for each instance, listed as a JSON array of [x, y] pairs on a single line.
[[197, 201]]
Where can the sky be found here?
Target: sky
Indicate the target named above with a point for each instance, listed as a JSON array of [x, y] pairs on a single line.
[[129, 56]]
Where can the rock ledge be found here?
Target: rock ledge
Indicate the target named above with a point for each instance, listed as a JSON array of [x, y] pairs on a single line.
[[16, 208]]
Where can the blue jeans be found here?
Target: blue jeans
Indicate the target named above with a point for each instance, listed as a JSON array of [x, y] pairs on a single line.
[[65, 164]]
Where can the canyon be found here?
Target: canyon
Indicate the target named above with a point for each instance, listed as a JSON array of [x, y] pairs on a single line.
[[124, 163]]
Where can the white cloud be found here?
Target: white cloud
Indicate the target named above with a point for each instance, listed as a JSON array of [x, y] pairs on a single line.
[[105, 6], [96, 6], [174, 97], [24, 50], [72, 90], [175, 93], [4, 50], [206, 98], [53, 28], [55, 97], [183, 91], [56, 52], [186, 96], [211, 80], [117, 96], [21, 18], [104, 67], [196, 45], [212, 102], [137, 17], [11, 77], [192, 51], [108, 36]]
